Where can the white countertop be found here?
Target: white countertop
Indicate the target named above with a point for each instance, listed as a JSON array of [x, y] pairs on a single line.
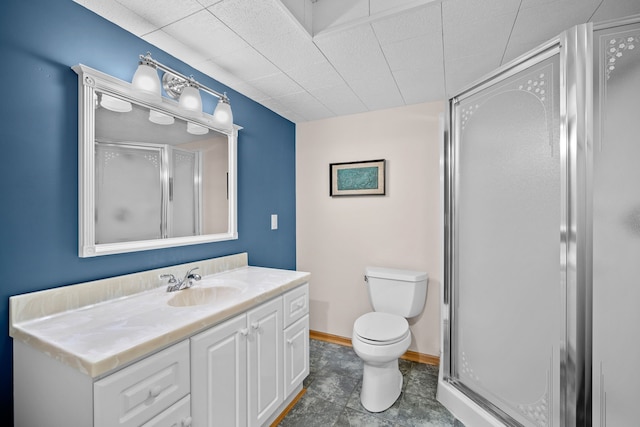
[[101, 337]]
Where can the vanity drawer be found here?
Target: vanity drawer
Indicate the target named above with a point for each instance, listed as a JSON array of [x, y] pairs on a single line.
[[178, 415], [296, 304], [134, 395]]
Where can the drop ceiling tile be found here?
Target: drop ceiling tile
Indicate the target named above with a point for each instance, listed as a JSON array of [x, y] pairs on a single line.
[[611, 9], [276, 85], [315, 76], [538, 24], [417, 52], [174, 47], [377, 91], [474, 10], [255, 21], [416, 22], [162, 12], [461, 72], [116, 13], [246, 64], [380, 6], [515, 50], [340, 99], [287, 51], [208, 3], [215, 71], [353, 52], [305, 105], [471, 36], [419, 85], [250, 91], [536, 3], [205, 34]]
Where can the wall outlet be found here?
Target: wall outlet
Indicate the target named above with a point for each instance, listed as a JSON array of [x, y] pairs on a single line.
[[274, 222]]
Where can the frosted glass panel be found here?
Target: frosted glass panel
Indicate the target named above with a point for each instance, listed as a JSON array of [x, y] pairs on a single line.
[[128, 193], [616, 227], [185, 193], [507, 259]]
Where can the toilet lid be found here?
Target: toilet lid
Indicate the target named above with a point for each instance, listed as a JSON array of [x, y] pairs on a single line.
[[381, 327]]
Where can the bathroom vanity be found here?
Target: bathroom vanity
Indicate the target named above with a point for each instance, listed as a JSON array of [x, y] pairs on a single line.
[[231, 350]]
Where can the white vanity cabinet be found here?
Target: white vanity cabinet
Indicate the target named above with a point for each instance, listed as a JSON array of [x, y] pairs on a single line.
[[237, 369], [296, 337], [245, 368]]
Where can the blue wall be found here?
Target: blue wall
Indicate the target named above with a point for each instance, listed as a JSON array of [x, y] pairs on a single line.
[[39, 41]]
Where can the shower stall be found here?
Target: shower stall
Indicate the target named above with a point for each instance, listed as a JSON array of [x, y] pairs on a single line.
[[541, 192]]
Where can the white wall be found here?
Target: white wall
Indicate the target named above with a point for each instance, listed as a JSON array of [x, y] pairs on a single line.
[[338, 237]]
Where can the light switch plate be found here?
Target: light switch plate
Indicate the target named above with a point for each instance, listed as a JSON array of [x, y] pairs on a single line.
[[274, 222]]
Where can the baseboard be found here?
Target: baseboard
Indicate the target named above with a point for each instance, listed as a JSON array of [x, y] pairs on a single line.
[[288, 408], [412, 356]]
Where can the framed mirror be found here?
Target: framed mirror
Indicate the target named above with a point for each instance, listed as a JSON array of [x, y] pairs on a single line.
[[150, 174]]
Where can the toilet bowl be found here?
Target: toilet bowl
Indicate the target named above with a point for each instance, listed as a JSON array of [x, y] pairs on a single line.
[[380, 337]]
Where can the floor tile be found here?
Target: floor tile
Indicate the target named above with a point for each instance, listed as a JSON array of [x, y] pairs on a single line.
[[333, 394]]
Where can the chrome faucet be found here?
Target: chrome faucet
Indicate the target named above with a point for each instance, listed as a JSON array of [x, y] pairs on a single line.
[[175, 285]]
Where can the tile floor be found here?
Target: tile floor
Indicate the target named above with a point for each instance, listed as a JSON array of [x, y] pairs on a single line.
[[333, 394]]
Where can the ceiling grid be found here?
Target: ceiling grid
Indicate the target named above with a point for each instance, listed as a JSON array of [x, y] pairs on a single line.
[[313, 59]]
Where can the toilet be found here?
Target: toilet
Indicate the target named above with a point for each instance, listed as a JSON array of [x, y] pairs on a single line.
[[382, 336]]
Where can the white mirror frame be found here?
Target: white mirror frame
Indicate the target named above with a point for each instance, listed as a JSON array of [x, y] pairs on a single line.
[[90, 80]]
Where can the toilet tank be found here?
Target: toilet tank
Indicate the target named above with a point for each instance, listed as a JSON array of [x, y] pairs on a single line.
[[401, 292]]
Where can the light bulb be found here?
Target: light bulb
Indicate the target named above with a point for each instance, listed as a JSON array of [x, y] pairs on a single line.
[[160, 118], [146, 81], [115, 104], [222, 115], [195, 129], [190, 99]]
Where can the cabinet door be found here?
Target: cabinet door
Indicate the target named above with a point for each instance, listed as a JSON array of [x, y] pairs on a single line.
[[265, 361], [219, 375], [296, 354]]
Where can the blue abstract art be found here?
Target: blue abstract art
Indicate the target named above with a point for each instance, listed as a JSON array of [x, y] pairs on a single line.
[[357, 178]]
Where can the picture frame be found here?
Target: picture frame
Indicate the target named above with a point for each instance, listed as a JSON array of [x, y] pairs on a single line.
[[362, 178]]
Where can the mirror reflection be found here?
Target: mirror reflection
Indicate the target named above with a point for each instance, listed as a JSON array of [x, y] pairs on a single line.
[[156, 176]]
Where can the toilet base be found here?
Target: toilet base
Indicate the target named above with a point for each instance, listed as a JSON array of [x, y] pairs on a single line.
[[381, 385]]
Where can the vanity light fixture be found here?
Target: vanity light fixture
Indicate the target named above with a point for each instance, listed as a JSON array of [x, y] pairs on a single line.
[[115, 104], [146, 80], [160, 118], [195, 129], [222, 115], [185, 89], [190, 99]]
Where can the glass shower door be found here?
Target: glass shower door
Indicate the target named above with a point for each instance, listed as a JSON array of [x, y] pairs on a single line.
[[616, 225], [505, 261]]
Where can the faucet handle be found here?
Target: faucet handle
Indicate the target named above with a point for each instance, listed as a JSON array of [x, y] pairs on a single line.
[[172, 278]]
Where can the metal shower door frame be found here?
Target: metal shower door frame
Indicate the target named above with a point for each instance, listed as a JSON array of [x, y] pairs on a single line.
[[574, 237]]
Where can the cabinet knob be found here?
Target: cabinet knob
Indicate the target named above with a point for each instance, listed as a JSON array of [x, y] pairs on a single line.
[[255, 325], [290, 342], [186, 422], [244, 332], [155, 391]]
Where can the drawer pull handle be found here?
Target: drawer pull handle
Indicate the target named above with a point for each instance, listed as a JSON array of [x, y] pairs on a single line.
[[155, 391], [244, 332], [186, 422]]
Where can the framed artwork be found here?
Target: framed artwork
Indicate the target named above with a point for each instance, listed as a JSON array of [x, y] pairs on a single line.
[[363, 178]]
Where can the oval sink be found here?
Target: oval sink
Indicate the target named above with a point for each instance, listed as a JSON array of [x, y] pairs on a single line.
[[200, 296]]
